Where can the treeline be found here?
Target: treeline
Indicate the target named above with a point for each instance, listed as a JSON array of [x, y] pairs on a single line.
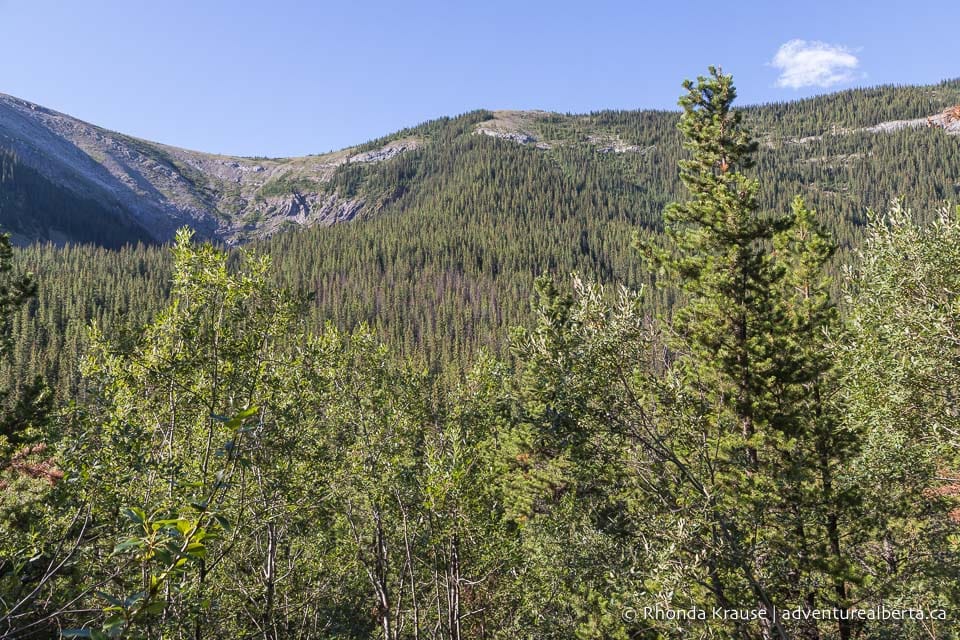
[[231, 470], [32, 206], [461, 226]]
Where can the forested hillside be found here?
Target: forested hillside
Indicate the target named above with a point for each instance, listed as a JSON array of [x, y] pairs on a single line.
[[733, 437], [32, 207], [457, 228]]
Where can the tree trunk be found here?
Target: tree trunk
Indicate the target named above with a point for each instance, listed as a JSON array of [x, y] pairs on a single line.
[[833, 526], [270, 577], [382, 588], [453, 589]]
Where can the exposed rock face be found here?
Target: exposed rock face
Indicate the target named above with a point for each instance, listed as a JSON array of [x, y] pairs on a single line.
[[103, 166], [620, 148], [387, 152], [507, 126], [162, 187], [314, 208], [519, 137], [611, 144], [948, 120], [300, 210], [157, 188]]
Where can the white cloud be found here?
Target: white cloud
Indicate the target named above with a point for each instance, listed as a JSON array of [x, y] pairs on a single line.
[[809, 63]]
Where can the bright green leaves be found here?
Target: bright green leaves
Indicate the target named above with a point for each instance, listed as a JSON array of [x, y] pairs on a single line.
[[237, 421], [166, 549], [184, 427], [136, 515], [900, 377], [243, 478]]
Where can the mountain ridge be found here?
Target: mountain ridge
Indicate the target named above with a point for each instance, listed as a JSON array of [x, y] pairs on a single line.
[[442, 254], [150, 188]]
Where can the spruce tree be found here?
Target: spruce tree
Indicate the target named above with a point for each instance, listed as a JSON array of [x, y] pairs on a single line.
[[813, 449], [748, 344], [28, 406]]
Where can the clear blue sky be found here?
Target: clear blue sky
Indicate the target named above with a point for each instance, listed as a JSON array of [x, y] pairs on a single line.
[[277, 77]]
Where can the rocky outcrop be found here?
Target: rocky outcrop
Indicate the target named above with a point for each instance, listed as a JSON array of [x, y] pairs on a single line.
[[154, 188], [610, 144], [387, 152], [161, 188], [295, 210], [310, 209], [948, 120], [520, 137]]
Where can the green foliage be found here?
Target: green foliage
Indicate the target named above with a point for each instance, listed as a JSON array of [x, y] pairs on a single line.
[[422, 268], [700, 428], [899, 380], [27, 470], [285, 185], [162, 461], [750, 370], [575, 480], [14, 291]]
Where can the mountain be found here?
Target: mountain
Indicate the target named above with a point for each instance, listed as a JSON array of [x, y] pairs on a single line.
[[153, 189], [451, 220], [70, 181]]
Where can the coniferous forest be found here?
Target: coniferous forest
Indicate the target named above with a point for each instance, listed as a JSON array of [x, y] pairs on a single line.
[[704, 391]]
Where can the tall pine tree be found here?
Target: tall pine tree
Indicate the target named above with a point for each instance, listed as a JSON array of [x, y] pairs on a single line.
[[748, 343]]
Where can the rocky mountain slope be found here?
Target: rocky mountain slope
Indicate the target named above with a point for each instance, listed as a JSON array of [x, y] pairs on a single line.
[[150, 189], [160, 188], [452, 219]]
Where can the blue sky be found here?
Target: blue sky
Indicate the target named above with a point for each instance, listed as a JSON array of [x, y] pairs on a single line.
[[288, 78]]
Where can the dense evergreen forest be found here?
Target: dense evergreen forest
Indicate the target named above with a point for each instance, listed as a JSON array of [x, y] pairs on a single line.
[[29, 202], [539, 394], [467, 222]]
